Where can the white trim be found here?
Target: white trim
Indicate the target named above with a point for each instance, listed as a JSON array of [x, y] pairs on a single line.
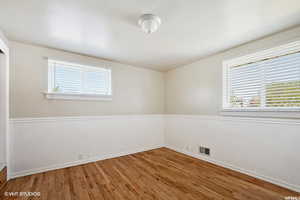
[[285, 49], [225, 87], [21, 121], [68, 96], [265, 54], [82, 118], [2, 166], [82, 68], [166, 116], [239, 119], [229, 166], [4, 46], [72, 64], [262, 114], [80, 162], [251, 109], [3, 43], [283, 113], [156, 139], [205, 158]]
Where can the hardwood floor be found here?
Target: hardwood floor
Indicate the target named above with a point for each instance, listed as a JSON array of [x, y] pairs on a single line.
[[158, 174], [3, 177]]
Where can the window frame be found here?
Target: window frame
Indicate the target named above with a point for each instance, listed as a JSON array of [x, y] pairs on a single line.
[[50, 94], [289, 48]]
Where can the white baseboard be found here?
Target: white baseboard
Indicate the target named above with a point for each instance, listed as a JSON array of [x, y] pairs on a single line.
[[91, 138], [2, 166], [137, 133], [80, 162], [229, 166], [108, 156]]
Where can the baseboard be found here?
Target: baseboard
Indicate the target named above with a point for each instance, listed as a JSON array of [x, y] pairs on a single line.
[[229, 166], [3, 176], [80, 162], [108, 156]]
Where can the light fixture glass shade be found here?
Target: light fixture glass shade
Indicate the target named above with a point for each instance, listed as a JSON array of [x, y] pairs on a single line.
[[149, 23]]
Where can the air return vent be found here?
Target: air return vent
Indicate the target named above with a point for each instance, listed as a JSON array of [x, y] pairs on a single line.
[[204, 150]]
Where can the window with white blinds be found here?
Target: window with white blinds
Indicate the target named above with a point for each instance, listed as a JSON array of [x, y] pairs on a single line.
[[268, 80], [74, 79]]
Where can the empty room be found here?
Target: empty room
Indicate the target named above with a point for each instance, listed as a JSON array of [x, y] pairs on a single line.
[[150, 99]]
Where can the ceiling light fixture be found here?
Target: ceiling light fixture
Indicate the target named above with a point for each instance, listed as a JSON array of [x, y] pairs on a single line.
[[149, 23]]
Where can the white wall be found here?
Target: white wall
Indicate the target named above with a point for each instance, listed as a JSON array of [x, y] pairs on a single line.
[[135, 90], [197, 88], [41, 144], [3, 112], [265, 148], [127, 124], [261, 147], [4, 100]]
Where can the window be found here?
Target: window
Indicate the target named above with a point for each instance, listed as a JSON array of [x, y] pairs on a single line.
[[73, 81], [264, 81]]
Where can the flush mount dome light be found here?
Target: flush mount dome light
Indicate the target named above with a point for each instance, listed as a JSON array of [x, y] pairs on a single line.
[[149, 23]]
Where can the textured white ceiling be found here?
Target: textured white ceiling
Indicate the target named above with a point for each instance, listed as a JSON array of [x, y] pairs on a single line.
[[108, 29]]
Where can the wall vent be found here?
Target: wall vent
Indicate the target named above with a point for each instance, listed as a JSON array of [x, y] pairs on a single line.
[[204, 150]]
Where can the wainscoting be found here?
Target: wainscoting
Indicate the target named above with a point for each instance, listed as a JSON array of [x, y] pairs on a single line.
[[42, 144], [264, 148], [156, 174]]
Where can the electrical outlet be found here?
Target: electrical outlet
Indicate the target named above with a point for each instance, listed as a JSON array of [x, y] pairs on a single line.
[[88, 155], [204, 150], [192, 149], [186, 148], [80, 156]]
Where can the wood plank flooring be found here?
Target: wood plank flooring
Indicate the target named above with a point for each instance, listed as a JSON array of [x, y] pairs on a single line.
[[3, 177], [157, 174]]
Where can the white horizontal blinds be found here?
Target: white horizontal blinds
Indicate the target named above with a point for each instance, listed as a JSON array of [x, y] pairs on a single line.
[[282, 81], [97, 82], [67, 79], [77, 79], [270, 83], [245, 85]]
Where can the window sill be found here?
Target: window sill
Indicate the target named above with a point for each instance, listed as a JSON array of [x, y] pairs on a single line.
[[83, 97], [269, 113]]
